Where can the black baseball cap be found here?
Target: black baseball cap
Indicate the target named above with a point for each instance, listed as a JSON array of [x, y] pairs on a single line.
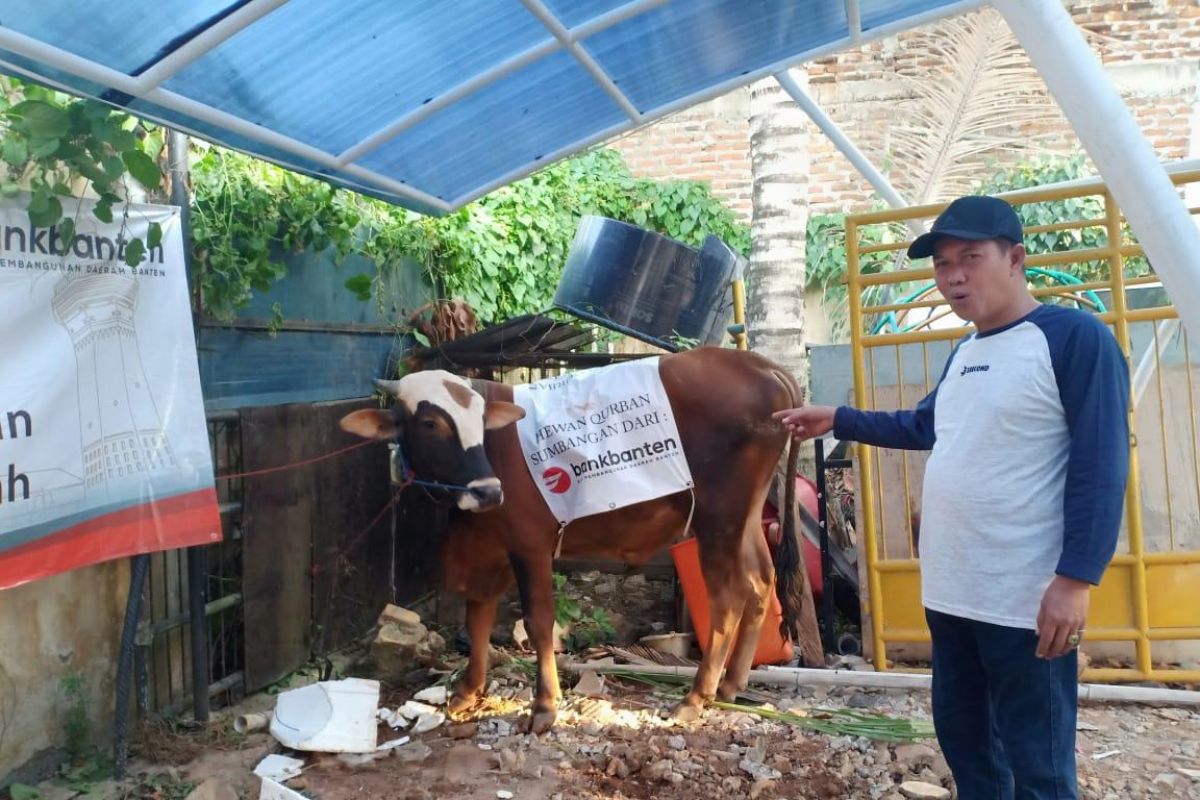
[[974, 218]]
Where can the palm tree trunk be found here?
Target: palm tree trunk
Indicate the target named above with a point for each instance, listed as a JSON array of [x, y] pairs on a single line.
[[775, 280]]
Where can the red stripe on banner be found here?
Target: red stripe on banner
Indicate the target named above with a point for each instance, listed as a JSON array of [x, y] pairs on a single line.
[[180, 521]]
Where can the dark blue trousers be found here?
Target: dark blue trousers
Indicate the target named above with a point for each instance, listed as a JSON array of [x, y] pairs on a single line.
[[1005, 718]]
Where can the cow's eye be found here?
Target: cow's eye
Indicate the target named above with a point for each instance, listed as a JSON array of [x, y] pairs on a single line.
[[429, 425]]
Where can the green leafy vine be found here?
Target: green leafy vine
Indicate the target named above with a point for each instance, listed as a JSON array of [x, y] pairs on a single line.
[[502, 254], [60, 149]]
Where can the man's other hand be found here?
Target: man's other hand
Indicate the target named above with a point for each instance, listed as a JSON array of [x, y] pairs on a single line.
[[1063, 613], [807, 422]]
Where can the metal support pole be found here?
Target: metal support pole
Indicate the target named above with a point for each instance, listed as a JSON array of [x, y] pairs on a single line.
[[197, 564], [177, 168], [197, 557], [1112, 139], [738, 329], [847, 148], [826, 565], [139, 566]]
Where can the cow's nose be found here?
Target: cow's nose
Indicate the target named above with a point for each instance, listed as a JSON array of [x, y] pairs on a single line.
[[487, 492]]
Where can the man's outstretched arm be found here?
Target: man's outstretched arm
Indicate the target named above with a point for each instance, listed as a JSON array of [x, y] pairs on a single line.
[[902, 430]]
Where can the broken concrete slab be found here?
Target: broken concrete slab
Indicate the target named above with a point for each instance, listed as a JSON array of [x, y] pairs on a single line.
[[213, 789], [919, 790]]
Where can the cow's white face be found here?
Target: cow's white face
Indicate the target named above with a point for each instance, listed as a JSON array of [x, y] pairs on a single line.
[[440, 421]]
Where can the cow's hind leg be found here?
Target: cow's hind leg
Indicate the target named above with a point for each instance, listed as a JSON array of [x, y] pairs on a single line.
[[728, 592], [481, 616], [535, 582], [758, 569]]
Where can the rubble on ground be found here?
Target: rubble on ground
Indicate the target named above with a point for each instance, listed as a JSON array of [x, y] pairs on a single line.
[[615, 739], [402, 643]]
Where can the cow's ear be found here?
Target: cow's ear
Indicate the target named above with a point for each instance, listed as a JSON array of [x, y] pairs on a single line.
[[371, 423], [499, 413]]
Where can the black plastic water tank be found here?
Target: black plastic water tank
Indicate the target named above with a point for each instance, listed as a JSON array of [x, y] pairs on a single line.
[[647, 285]]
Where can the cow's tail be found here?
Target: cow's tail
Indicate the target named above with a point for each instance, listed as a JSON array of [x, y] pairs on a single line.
[[789, 558], [791, 573]]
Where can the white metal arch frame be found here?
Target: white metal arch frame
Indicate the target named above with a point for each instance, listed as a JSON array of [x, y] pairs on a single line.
[[1072, 72]]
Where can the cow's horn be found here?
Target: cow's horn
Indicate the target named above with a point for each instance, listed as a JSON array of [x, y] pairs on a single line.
[[391, 387]]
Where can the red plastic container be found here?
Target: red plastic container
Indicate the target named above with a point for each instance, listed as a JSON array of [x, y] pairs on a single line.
[[772, 648]]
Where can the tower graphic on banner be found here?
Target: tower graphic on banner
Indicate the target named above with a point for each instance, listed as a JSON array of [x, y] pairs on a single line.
[[119, 425]]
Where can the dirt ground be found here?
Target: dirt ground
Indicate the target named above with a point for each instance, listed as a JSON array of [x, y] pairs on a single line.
[[621, 745]]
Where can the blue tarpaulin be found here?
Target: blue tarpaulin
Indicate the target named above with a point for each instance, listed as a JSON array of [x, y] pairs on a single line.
[[425, 103]]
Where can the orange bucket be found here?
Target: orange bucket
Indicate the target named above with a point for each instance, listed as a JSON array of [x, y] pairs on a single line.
[[772, 648]]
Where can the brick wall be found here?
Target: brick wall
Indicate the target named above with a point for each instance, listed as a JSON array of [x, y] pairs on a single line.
[[1151, 49]]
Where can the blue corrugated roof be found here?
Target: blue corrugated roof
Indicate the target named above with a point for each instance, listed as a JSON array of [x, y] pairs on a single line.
[[426, 103]]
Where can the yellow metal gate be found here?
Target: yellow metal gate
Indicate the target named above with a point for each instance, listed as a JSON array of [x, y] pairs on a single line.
[[1145, 617]]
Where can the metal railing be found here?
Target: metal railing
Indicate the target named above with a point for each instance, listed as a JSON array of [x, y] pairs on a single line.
[[1146, 612]]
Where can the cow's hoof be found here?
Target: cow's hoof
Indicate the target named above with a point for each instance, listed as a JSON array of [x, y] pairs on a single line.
[[542, 720], [727, 694], [688, 710], [461, 702]]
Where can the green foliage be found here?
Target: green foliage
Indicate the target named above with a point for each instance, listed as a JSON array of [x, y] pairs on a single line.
[[247, 213], [1053, 169], [586, 629], [825, 261], [19, 791], [165, 786], [82, 777], [503, 254], [826, 234], [75, 722], [59, 147]]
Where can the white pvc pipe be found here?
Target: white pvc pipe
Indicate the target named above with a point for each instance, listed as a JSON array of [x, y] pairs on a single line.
[[205, 41], [113, 79], [559, 31], [799, 677], [490, 76], [1112, 139], [709, 92], [854, 20], [1168, 329]]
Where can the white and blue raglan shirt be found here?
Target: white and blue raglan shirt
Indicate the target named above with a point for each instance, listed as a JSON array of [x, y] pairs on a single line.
[[1029, 430]]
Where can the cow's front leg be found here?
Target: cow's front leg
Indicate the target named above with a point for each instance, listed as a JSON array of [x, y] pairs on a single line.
[[481, 617], [535, 582]]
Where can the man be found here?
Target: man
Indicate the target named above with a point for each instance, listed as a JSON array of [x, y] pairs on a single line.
[[1022, 503]]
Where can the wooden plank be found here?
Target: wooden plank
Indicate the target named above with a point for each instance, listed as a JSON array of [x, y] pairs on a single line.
[[277, 543], [352, 529], [240, 368]]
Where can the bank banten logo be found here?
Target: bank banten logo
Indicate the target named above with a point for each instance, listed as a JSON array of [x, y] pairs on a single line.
[[557, 480], [630, 456]]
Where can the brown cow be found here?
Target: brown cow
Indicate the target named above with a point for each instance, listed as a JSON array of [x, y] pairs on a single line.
[[458, 432]]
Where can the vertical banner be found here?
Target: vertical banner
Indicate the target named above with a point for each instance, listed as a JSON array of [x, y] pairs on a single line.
[[103, 444]]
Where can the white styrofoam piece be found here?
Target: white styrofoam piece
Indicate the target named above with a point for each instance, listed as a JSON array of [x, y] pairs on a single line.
[[434, 694], [394, 743], [279, 768], [272, 790], [413, 709], [427, 722], [328, 717]]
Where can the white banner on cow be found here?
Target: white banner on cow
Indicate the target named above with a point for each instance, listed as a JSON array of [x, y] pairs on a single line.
[[103, 444], [601, 439]]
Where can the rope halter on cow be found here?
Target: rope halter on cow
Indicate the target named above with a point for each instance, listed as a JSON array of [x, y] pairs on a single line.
[[404, 476]]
